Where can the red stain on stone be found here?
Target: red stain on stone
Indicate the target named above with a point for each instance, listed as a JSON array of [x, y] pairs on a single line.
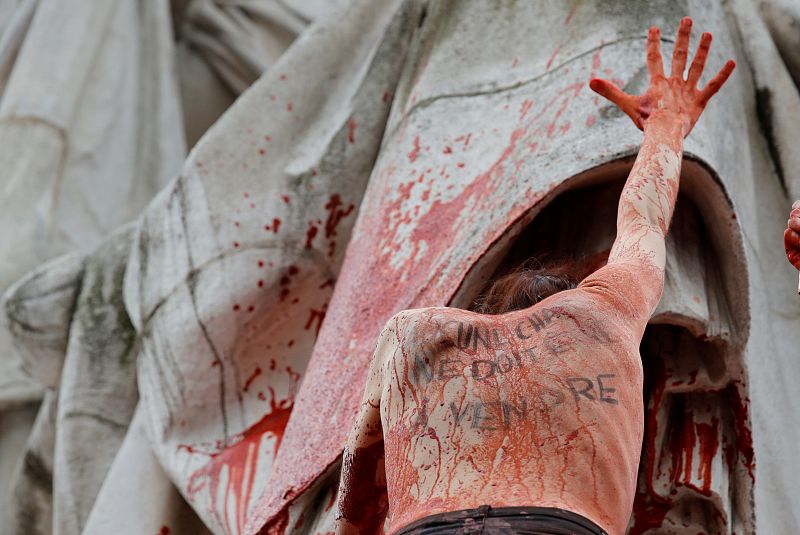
[[315, 316], [236, 464], [311, 233], [351, 130], [412, 156], [553, 57], [252, 378]]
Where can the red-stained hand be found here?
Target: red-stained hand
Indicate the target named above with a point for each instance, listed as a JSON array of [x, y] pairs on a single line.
[[671, 95], [791, 236]]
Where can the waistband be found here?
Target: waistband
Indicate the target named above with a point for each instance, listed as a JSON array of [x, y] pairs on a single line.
[[489, 520]]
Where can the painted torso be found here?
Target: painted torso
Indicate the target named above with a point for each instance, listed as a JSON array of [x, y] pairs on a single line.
[[541, 406]]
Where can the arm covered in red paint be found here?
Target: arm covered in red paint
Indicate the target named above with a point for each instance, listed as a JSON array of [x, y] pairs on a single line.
[[791, 236], [362, 501], [666, 112]]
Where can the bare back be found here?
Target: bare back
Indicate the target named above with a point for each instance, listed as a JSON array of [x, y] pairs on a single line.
[[541, 406]]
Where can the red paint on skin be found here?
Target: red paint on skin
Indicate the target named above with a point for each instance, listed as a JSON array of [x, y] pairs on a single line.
[[412, 156], [351, 130], [238, 460], [252, 378]]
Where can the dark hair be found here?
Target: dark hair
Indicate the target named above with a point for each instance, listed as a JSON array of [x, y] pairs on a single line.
[[525, 286]]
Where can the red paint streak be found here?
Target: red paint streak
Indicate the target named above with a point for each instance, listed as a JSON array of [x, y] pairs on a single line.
[[289, 105], [236, 224], [239, 462], [351, 130], [385, 97], [648, 514], [252, 378], [335, 214], [553, 57], [311, 233], [744, 435], [460, 165], [571, 13], [590, 120], [525, 108], [317, 316], [412, 156], [708, 436]]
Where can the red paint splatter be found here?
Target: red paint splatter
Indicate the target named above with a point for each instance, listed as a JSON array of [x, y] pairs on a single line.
[[385, 97], [553, 57], [239, 461], [246, 195], [460, 165], [163, 531], [317, 316], [262, 152], [293, 270], [236, 244], [273, 97], [285, 199], [525, 108], [412, 156], [251, 308], [276, 223], [514, 63], [267, 138], [351, 130], [327, 284], [260, 283], [283, 77], [252, 378], [291, 343], [289, 105], [590, 120], [236, 307], [261, 263], [447, 150], [311, 233], [262, 397]]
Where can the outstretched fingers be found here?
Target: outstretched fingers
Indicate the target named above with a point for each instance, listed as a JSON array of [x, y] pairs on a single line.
[[699, 62], [610, 91], [654, 65], [681, 48], [715, 83]]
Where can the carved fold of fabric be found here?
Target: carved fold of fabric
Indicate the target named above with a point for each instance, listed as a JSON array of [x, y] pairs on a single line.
[[235, 260]]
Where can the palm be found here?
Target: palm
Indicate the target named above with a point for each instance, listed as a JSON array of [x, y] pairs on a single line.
[[670, 95], [791, 236]]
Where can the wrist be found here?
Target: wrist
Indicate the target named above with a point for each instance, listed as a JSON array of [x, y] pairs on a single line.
[[666, 122]]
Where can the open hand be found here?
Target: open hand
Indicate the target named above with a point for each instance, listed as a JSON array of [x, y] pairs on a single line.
[[672, 96], [791, 236]]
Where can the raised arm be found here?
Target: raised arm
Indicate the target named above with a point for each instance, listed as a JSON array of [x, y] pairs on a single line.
[[362, 501], [666, 113]]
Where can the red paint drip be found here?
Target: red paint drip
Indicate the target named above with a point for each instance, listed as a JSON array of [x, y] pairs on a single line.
[[252, 378], [335, 214], [311, 233], [239, 460], [351, 130], [412, 156], [317, 316]]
